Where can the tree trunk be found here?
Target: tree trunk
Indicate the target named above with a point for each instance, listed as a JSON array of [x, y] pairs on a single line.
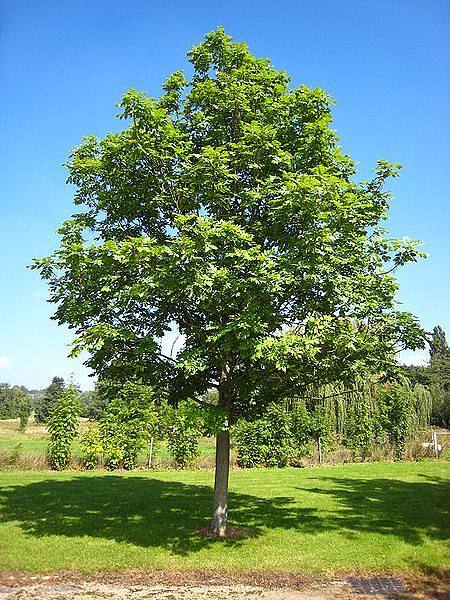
[[218, 524]]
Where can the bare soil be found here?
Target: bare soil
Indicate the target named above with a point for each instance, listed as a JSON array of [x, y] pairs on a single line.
[[140, 585]]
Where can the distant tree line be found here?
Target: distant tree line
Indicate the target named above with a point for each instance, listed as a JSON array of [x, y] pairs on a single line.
[[435, 377], [15, 402]]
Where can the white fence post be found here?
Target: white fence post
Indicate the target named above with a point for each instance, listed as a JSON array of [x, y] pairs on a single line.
[[150, 454], [435, 444]]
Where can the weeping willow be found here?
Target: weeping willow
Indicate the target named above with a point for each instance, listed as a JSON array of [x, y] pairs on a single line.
[[354, 411], [423, 404]]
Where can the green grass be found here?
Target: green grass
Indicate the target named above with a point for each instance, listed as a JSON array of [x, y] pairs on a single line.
[[332, 519], [33, 440]]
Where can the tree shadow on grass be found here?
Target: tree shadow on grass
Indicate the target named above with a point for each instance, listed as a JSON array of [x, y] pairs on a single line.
[[148, 512], [137, 510], [410, 511]]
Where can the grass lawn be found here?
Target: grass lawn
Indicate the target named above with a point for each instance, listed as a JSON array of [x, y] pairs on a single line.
[[34, 440], [357, 517]]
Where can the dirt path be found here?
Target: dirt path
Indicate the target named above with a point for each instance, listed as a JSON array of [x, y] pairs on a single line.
[[177, 586], [91, 590], [110, 592]]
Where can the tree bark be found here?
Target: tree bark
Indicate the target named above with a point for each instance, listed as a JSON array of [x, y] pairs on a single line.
[[218, 524]]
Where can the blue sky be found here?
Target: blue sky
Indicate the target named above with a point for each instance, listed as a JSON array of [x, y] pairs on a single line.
[[65, 63]]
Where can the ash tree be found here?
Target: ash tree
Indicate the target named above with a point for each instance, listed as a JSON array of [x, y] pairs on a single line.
[[226, 209]]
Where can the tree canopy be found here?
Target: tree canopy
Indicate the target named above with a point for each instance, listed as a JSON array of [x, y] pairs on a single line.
[[47, 402], [227, 210], [438, 343], [13, 400]]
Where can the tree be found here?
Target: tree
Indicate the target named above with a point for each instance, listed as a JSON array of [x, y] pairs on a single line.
[[127, 426], [183, 428], [48, 400], [438, 343], [24, 410], [13, 400], [439, 367], [97, 401], [435, 376], [7, 406], [438, 372], [62, 427], [395, 407], [226, 209]]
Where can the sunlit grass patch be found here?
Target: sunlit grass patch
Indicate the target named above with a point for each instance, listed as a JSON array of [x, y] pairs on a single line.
[[383, 517]]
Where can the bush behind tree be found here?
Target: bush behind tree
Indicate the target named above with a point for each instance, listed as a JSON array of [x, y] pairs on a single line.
[[91, 447], [369, 415], [128, 424], [183, 429], [62, 427]]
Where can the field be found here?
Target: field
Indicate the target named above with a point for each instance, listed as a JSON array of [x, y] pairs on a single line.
[[376, 517]]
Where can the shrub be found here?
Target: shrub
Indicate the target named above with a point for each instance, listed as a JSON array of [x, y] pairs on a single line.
[[301, 424], [113, 453], [91, 447], [15, 453], [251, 439], [127, 426], [267, 441], [321, 427], [279, 437], [360, 430], [395, 405], [62, 427], [183, 428]]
